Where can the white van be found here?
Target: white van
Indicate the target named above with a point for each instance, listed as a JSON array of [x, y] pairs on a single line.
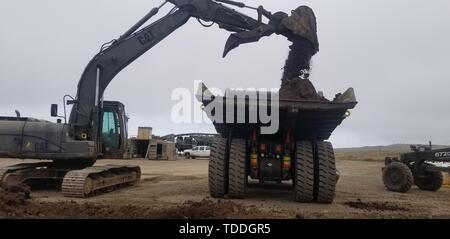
[[197, 152]]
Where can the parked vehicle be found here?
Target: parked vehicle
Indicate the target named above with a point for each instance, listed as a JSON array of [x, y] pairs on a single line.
[[198, 152]]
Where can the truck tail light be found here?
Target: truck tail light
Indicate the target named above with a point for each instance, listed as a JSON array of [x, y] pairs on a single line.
[[254, 161], [286, 162], [278, 149], [263, 148]]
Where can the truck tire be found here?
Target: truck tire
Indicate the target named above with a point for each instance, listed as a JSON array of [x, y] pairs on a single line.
[[304, 172], [326, 175], [237, 175], [397, 177], [429, 181], [218, 168]]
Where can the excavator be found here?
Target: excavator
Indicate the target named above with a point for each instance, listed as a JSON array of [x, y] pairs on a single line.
[[97, 128]]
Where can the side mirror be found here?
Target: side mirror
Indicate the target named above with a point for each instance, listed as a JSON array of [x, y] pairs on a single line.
[[54, 110]]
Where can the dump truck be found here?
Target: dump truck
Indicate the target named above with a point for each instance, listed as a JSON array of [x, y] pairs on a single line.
[[297, 152]]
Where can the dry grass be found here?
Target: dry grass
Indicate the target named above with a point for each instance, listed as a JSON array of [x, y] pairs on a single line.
[[373, 153], [365, 156]]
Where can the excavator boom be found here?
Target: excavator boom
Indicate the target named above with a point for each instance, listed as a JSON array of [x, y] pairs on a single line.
[[111, 60]]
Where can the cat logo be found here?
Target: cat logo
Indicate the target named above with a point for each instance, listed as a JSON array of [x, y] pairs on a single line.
[[442, 154]]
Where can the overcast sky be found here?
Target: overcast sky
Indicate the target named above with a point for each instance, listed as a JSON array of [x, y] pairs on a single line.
[[395, 53]]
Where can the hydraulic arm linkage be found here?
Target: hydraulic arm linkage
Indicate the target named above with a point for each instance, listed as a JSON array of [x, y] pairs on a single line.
[[133, 43]]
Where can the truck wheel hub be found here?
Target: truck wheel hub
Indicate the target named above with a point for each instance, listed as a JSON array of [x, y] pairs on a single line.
[[395, 176]]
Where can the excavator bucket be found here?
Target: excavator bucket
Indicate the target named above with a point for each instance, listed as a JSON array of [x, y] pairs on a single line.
[[303, 23], [239, 38]]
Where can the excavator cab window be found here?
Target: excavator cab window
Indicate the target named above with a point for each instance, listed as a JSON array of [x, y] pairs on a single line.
[[110, 130], [114, 129]]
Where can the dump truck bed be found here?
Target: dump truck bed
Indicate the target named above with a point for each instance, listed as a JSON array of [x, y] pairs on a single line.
[[308, 120]]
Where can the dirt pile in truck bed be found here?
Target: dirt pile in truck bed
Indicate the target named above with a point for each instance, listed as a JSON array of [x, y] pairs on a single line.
[[299, 89]]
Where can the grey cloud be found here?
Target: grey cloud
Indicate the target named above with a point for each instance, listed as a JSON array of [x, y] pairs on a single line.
[[394, 53]]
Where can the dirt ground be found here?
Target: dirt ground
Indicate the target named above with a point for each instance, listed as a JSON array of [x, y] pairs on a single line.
[[179, 189]]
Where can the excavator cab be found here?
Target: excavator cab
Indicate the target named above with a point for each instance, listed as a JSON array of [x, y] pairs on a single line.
[[114, 132], [113, 129]]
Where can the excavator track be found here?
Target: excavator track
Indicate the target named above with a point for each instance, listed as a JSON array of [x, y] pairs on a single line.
[[94, 180]]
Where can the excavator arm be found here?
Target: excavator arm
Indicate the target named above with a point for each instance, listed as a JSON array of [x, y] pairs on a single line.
[[132, 44]]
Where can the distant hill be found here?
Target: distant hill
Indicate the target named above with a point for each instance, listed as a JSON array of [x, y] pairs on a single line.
[[375, 153], [393, 147]]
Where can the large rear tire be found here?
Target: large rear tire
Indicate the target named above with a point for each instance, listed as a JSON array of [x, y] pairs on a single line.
[[429, 181], [304, 172], [326, 173], [218, 168], [237, 169], [397, 177]]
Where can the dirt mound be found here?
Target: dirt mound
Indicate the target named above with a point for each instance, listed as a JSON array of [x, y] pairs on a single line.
[[205, 209], [376, 206], [11, 196], [160, 178]]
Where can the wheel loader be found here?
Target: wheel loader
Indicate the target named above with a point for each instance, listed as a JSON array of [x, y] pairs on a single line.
[[423, 167]]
